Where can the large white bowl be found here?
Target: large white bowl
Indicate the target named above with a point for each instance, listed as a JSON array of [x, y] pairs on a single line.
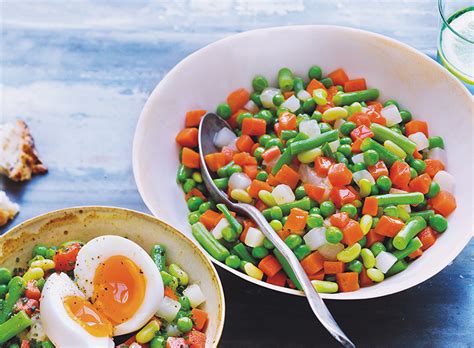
[[204, 79]]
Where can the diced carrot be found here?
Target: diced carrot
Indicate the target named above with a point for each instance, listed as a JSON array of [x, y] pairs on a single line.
[[376, 117], [371, 206], [254, 147], [341, 196], [355, 85], [196, 339], [433, 166], [271, 153], [332, 91], [288, 176], [287, 121], [417, 155], [233, 119], [378, 170], [373, 237], [317, 276], [228, 152], [247, 224], [210, 218], [260, 205], [199, 318], [416, 126], [352, 233], [314, 84], [216, 160], [32, 290], [276, 128], [188, 137], [272, 181], [388, 226], [360, 119], [288, 94], [256, 186], [443, 203], [296, 220], [354, 191], [323, 108], [427, 238], [364, 280], [420, 184], [339, 77], [291, 285], [322, 165], [283, 233], [348, 281], [193, 118], [168, 292], [190, 158], [362, 132], [313, 263], [355, 147], [254, 126], [195, 193], [269, 265], [339, 220], [400, 175], [25, 344], [237, 99], [244, 143], [244, 159], [374, 105], [251, 170], [316, 193], [278, 279], [339, 175], [417, 253], [333, 267]]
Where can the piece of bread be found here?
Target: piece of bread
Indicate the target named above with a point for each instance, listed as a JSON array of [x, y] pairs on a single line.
[[8, 209], [18, 157]]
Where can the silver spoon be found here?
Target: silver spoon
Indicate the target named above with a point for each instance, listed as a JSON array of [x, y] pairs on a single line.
[[210, 125]]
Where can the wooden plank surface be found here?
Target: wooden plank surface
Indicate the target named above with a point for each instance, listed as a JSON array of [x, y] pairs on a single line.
[[79, 73]]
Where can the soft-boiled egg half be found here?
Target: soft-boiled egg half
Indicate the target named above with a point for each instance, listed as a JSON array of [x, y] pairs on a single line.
[[119, 289]]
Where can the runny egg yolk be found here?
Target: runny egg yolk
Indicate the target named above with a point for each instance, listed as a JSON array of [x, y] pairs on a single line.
[[119, 288], [87, 316]]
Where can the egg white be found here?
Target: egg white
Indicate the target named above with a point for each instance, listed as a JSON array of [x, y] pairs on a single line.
[[99, 250], [60, 328]]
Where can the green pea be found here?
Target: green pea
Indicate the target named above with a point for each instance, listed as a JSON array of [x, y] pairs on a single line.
[[315, 210], [347, 127], [300, 192], [267, 244], [5, 275], [233, 261], [276, 213], [274, 142], [355, 266], [265, 115], [204, 207], [51, 252], [327, 82], [284, 219], [309, 105], [184, 302], [259, 252], [377, 248], [258, 153], [40, 250], [345, 141], [350, 209], [325, 127], [263, 139], [333, 234], [158, 342], [315, 72], [433, 190], [184, 324], [340, 88], [259, 83], [374, 190], [229, 234], [436, 142], [194, 217], [396, 129], [340, 158], [317, 116], [278, 99], [276, 225], [359, 166], [234, 169], [438, 223], [371, 157], [194, 203], [391, 102], [327, 208], [3, 290], [345, 149], [188, 185], [242, 116], [224, 111], [406, 116], [302, 251], [418, 165], [293, 241], [384, 183]]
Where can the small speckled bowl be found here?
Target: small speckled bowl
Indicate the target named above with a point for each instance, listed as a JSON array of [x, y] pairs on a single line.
[[86, 223]]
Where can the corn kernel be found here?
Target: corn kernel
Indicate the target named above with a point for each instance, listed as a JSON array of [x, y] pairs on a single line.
[[267, 198], [33, 273], [309, 156], [366, 223], [241, 196], [146, 334], [335, 113], [45, 265], [253, 271]]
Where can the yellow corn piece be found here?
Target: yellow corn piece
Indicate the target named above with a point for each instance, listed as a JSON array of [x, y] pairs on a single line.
[[146, 334], [309, 156], [335, 113], [33, 273], [319, 96], [267, 198], [366, 223], [45, 264], [253, 271], [241, 196], [365, 187]]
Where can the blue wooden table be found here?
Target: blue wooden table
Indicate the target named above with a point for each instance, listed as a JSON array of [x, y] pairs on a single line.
[[79, 73]]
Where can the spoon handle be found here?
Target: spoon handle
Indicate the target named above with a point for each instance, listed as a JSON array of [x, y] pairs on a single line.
[[317, 305]]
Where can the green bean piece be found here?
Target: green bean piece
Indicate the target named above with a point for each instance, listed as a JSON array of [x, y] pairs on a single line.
[[158, 255], [259, 83], [408, 232], [293, 241], [241, 250], [433, 190], [194, 217], [309, 144], [303, 204], [315, 72], [317, 116], [391, 210], [412, 198], [229, 235], [325, 127], [288, 134], [267, 244], [236, 226], [438, 223], [209, 242], [194, 203], [185, 303], [298, 84], [259, 252], [412, 246], [325, 287], [182, 174], [352, 97], [5, 275], [177, 272], [327, 151], [16, 287], [287, 268], [233, 261], [188, 185], [382, 134], [302, 251], [13, 326], [388, 157], [3, 292], [285, 158], [327, 82], [224, 111], [397, 267], [285, 79], [309, 105]]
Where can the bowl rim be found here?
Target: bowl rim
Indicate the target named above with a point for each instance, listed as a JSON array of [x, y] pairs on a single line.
[[155, 95], [102, 208]]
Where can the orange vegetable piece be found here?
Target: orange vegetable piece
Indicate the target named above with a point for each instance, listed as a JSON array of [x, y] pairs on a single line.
[[247, 225], [371, 206], [355, 147], [355, 85], [389, 226], [400, 175], [296, 220], [322, 165], [193, 118], [244, 159], [271, 180], [341, 196], [269, 265], [233, 119], [188, 137], [378, 170], [190, 158], [352, 233], [244, 143], [216, 160], [313, 263], [196, 339], [314, 84], [29, 307], [271, 153], [25, 344], [373, 237], [420, 184], [195, 193], [210, 218], [278, 279], [287, 175], [32, 290], [288, 94], [417, 253], [170, 293], [348, 281], [317, 276], [332, 91], [417, 155], [376, 117], [287, 121], [374, 105], [251, 171], [254, 126], [237, 99], [199, 318], [316, 193], [433, 166], [228, 152], [339, 220], [427, 238], [65, 258], [360, 118], [339, 175], [339, 77], [364, 280], [361, 133], [256, 186], [416, 126], [333, 267], [443, 203]]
